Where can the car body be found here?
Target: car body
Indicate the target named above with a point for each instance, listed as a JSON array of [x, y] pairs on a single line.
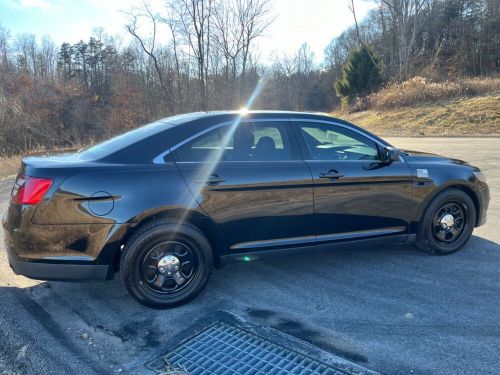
[[252, 184]]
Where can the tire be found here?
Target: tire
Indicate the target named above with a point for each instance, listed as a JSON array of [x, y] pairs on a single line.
[[178, 278], [434, 233]]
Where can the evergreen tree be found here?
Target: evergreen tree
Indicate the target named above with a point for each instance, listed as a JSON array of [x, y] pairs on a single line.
[[360, 76], [65, 60]]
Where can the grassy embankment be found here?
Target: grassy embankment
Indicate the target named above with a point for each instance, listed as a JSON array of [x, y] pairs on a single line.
[[419, 107], [9, 166]]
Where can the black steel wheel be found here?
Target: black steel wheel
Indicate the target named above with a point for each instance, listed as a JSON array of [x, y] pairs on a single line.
[[447, 223], [166, 264], [168, 268]]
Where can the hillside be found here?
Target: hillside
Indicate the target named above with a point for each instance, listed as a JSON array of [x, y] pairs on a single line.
[[469, 116]]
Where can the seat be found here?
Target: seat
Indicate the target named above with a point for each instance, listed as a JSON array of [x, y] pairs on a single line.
[[242, 144], [265, 149]]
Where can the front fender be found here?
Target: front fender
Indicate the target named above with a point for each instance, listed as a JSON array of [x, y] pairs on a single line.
[[443, 176]]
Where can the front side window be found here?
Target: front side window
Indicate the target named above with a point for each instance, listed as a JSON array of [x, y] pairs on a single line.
[[331, 142], [258, 141]]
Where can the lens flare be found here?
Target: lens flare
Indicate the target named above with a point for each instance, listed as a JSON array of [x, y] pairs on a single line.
[[208, 169]]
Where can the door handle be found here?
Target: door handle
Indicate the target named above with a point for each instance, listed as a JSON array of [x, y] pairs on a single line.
[[212, 180], [332, 175]]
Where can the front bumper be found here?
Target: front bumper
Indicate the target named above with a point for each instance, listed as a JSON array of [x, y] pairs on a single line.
[[58, 271], [484, 201]]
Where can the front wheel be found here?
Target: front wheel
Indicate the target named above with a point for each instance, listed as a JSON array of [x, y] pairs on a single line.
[[166, 264], [447, 223]]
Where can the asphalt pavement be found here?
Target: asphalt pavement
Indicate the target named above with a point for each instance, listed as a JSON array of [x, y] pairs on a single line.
[[394, 310]]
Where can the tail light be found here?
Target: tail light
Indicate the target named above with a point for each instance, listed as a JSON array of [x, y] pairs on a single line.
[[30, 190]]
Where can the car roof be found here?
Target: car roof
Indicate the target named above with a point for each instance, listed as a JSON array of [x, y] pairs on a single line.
[[213, 117], [188, 117]]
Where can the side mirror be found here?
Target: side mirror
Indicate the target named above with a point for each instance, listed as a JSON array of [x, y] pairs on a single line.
[[390, 154]]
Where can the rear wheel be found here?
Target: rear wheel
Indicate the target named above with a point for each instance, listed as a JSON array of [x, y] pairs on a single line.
[[447, 223], [166, 264]]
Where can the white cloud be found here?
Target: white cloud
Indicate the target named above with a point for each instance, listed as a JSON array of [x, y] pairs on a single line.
[[37, 4]]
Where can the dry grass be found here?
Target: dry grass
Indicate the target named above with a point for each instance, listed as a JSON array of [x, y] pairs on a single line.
[[419, 90], [463, 116], [9, 166]]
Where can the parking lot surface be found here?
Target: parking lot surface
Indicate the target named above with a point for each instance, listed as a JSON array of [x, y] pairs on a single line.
[[392, 309]]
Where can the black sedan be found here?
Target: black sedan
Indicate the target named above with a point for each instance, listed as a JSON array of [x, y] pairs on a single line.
[[168, 201]]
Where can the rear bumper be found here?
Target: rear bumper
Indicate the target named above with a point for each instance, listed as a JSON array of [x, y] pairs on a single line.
[[45, 265], [73, 252], [58, 271]]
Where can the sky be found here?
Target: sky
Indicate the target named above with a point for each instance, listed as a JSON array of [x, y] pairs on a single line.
[[298, 21]]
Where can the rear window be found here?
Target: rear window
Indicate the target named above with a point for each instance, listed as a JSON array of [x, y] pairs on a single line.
[[121, 141], [127, 139]]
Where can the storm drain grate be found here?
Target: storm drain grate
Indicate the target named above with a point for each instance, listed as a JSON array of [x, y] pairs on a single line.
[[226, 349]]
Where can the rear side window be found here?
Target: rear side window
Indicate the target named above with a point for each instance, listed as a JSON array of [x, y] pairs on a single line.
[[332, 142], [259, 141], [207, 147]]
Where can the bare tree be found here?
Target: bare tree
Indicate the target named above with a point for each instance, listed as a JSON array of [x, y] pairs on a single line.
[[4, 45], [195, 21], [47, 58], [237, 24], [358, 34], [228, 38], [26, 47], [173, 25], [255, 17], [149, 46], [292, 73], [407, 20], [353, 11]]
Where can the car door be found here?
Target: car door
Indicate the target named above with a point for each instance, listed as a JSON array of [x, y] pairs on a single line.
[[249, 178], [356, 195]]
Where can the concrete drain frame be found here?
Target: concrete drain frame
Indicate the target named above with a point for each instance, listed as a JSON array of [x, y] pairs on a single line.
[[225, 344]]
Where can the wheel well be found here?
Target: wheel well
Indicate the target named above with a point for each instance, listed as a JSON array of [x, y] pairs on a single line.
[[203, 223], [473, 196], [467, 190]]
